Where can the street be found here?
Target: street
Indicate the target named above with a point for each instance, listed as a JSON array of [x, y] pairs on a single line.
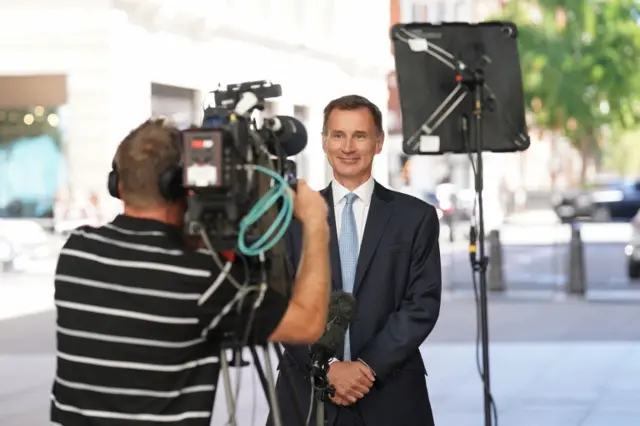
[[535, 257], [570, 363], [555, 361]]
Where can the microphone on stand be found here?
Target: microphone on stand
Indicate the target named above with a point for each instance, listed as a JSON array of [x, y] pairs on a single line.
[[342, 307]]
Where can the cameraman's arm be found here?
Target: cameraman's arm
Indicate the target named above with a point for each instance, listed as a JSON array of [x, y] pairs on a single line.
[[305, 318]]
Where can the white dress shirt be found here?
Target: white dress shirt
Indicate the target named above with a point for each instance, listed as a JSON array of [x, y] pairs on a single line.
[[360, 205]]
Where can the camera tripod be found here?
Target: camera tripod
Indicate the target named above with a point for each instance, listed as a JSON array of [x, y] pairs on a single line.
[[267, 381]]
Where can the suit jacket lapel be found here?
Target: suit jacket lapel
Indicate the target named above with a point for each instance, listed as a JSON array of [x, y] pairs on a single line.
[[379, 214], [334, 250]]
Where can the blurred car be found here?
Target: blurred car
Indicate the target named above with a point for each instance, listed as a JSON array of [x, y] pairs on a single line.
[[618, 200], [22, 240], [632, 249], [446, 208]]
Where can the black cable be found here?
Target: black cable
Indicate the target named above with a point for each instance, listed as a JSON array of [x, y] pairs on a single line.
[[475, 269], [476, 295]]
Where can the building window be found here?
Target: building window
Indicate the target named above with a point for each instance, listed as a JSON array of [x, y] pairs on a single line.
[[392, 81], [419, 12], [175, 103], [460, 9], [33, 167], [270, 108], [441, 12], [291, 13], [324, 17], [301, 113]]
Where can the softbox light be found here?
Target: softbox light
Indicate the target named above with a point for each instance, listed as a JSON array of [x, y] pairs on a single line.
[[433, 62]]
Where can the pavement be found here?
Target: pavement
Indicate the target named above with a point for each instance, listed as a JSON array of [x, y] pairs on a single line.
[[555, 360], [535, 259], [570, 363]]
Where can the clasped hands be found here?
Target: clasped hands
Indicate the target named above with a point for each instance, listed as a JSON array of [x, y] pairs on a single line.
[[351, 380]]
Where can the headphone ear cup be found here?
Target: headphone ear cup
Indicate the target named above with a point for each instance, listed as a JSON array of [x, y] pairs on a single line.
[[112, 184], [170, 184]]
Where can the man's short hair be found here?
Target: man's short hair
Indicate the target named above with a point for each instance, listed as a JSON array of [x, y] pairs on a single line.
[[350, 103], [142, 156]]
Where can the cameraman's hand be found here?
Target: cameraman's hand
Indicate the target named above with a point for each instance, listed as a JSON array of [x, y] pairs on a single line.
[[310, 207]]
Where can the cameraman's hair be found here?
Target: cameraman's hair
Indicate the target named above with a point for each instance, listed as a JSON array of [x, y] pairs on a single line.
[[141, 157], [351, 103]]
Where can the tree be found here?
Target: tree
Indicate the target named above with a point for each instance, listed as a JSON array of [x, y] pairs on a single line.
[[580, 61]]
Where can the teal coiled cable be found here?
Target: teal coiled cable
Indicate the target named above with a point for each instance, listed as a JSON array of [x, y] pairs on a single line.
[[278, 228]]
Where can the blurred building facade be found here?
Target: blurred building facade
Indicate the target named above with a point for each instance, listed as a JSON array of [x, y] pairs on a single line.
[[110, 64]]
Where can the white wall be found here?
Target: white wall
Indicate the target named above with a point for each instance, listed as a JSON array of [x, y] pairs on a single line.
[[111, 57], [440, 10]]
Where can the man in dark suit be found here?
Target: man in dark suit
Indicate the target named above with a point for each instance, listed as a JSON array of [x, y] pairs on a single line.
[[384, 249]]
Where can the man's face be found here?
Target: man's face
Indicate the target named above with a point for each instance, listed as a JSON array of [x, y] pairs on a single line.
[[350, 142]]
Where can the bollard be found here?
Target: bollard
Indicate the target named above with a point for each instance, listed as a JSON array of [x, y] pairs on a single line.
[[495, 277], [576, 276]]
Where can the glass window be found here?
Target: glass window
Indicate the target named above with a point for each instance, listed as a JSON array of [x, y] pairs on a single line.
[[441, 12], [301, 113], [175, 103], [32, 164], [321, 16], [420, 12]]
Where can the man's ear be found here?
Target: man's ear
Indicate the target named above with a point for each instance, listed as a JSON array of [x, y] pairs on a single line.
[[324, 142], [380, 143]]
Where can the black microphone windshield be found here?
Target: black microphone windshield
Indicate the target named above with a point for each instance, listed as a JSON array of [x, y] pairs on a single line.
[[342, 307], [291, 134]]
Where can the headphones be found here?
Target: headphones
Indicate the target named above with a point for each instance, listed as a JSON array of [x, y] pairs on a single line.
[[169, 181]]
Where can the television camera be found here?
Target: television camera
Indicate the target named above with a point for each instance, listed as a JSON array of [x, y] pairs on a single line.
[[236, 171]]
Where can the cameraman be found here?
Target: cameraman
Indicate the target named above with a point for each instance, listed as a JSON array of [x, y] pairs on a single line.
[[130, 306]]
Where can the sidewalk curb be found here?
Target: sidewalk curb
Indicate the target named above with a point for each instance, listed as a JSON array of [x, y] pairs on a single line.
[[543, 296]]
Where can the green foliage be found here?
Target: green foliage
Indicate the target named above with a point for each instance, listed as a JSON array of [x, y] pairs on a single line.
[[580, 55], [623, 157]]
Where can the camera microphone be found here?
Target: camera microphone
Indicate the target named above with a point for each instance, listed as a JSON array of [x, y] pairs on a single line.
[[342, 307], [291, 134]]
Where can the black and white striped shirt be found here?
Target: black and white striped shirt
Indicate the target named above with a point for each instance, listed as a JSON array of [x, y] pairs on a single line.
[[132, 314]]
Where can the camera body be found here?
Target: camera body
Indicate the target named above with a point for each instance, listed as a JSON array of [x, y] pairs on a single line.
[[221, 158]]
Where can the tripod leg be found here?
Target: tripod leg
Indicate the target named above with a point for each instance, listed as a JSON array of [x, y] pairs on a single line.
[[231, 403], [271, 388], [260, 371], [320, 414], [292, 391], [277, 420]]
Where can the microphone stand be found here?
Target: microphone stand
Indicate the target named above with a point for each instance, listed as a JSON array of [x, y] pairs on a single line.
[[322, 390]]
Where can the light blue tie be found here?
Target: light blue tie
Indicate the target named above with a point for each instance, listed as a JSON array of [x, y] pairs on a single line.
[[348, 241]]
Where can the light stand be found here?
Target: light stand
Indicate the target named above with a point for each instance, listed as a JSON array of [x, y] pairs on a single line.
[[434, 107], [474, 82]]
